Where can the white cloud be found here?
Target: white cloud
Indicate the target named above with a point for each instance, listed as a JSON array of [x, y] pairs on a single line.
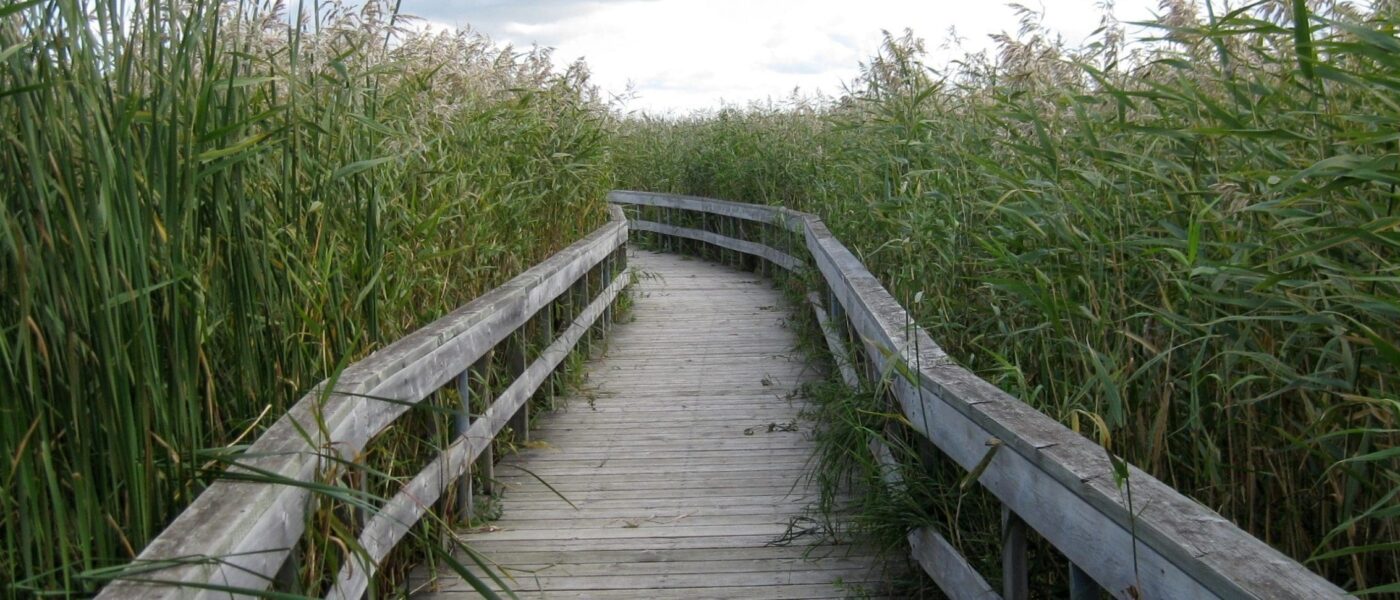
[[683, 55]]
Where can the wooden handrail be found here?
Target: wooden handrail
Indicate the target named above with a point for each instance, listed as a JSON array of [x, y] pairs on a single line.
[[1059, 483], [239, 532]]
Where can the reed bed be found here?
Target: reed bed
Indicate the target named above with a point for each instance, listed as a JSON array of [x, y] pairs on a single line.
[[1183, 247], [210, 206]]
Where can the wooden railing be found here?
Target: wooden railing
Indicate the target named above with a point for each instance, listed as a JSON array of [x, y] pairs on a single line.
[[1047, 477], [238, 534]]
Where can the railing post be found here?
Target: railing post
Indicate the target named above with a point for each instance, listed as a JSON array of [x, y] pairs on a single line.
[[288, 576], [763, 239], [461, 422], [1081, 586], [721, 225], [607, 280], [670, 240], [515, 366], [1015, 583], [584, 296], [550, 314], [486, 463]]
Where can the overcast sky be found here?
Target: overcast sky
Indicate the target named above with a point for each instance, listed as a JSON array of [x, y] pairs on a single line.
[[682, 55]]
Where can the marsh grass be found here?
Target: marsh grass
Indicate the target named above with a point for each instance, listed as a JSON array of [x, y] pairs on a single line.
[[211, 206], [1185, 248]]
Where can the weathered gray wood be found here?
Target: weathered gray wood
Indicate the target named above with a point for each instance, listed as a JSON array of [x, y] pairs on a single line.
[[602, 584], [664, 494], [839, 354], [1015, 579], [772, 215], [1060, 483], [398, 515], [1081, 586], [485, 465], [666, 556], [460, 423], [718, 591], [246, 528], [948, 567], [515, 364], [719, 567], [772, 255]]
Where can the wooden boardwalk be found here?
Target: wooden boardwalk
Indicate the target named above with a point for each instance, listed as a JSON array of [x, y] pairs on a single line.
[[685, 455]]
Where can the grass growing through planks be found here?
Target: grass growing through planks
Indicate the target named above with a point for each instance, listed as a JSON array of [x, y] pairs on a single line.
[[1188, 243], [209, 206]]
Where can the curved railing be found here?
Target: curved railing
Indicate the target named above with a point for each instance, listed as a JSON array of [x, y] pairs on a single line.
[[238, 534], [1047, 477]]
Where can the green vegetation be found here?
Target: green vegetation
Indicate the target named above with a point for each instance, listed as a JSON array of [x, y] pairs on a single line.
[[207, 211], [1185, 248]]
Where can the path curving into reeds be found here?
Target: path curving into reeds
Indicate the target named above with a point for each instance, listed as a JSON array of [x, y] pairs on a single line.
[[685, 459]]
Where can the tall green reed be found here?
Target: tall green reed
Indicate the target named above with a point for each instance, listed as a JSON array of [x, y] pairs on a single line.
[[208, 206], [1191, 240]]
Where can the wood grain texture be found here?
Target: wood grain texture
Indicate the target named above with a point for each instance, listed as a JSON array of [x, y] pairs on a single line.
[[705, 494]]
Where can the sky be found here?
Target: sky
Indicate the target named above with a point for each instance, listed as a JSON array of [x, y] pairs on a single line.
[[678, 56]]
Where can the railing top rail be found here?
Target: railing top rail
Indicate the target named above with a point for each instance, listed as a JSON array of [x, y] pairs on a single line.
[[1062, 483], [239, 531], [759, 213]]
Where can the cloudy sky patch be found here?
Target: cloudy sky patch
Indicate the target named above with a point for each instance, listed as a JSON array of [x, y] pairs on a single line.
[[683, 55]]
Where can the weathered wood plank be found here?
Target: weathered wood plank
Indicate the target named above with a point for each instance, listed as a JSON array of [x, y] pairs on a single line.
[[715, 501], [717, 592], [694, 567], [561, 520], [834, 344], [555, 556], [603, 584], [948, 567]]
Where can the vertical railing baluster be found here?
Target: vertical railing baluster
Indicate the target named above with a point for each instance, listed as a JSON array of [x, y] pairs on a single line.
[[550, 314], [288, 578], [515, 367], [582, 294], [486, 463], [607, 280], [670, 239], [721, 226], [461, 422], [763, 265], [1081, 586], [1015, 582]]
